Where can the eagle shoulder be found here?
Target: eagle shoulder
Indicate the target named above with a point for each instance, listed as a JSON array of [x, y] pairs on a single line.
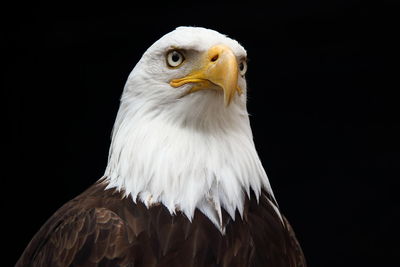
[[276, 242], [92, 229], [296, 253], [81, 238]]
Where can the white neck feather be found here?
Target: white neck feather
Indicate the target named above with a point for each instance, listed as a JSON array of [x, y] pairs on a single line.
[[202, 159]]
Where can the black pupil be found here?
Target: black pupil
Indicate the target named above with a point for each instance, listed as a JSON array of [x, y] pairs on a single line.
[[175, 57], [241, 66]]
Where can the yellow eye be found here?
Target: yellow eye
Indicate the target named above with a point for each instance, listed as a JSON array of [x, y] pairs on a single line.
[[174, 58], [243, 67]]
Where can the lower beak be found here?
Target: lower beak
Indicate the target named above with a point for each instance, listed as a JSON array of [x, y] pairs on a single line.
[[219, 70]]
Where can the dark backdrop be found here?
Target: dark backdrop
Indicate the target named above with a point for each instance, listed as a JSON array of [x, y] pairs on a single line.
[[324, 121]]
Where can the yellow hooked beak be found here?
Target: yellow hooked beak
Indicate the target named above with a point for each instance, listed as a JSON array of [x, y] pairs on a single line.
[[218, 70]]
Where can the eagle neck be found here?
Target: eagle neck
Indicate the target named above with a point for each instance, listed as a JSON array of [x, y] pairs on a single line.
[[205, 159]]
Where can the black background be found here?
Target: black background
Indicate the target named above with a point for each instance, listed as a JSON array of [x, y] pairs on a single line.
[[321, 76]]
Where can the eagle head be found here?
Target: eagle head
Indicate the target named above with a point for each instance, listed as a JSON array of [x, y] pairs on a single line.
[[192, 69], [182, 135]]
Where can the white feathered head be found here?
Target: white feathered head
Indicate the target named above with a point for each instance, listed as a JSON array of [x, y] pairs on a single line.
[[182, 135]]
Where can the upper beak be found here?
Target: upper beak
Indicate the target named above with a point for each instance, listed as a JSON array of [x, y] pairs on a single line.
[[218, 70]]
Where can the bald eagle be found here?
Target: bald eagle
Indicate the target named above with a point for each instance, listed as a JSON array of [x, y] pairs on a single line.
[[184, 185]]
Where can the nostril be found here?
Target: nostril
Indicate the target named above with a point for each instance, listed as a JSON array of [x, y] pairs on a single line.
[[214, 58]]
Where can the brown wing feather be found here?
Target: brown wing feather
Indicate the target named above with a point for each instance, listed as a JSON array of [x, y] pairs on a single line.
[[275, 243], [296, 253], [83, 238], [102, 228]]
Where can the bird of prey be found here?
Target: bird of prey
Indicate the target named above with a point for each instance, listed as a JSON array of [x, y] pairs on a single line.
[[184, 185]]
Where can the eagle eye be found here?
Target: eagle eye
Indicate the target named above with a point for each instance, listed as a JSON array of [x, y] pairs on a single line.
[[243, 67], [175, 58]]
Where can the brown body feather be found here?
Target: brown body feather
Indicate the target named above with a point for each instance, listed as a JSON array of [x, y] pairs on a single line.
[[102, 228]]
